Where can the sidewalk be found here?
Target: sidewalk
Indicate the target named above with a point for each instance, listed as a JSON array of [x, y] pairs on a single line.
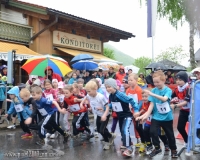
[[4, 125]]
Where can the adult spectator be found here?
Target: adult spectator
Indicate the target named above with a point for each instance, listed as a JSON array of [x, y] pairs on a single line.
[[87, 77], [127, 74], [169, 77], [78, 73], [51, 75], [100, 75], [110, 74], [149, 80], [120, 75], [73, 78]]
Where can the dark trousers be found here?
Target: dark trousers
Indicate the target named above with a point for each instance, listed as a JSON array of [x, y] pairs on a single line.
[[124, 125], [114, 124], [79, 124], [168, 128], [49, 123], [101, 128], [147, 136], [139, 128], [182, 120]]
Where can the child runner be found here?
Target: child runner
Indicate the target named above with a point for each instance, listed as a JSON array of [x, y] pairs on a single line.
[[120, 104], [63, 120], [73, 104], [162, 115], [135, 92], [55, 85], [44, 106], [100, 107], [147, 125], [23, 113], [181, 93], [51, 94], [80, 83]]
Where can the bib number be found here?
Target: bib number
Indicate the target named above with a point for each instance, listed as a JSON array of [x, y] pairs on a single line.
[[74, 108], [135, 97], [43, 112], [49, 97], [117, 107], [19, 108], [149, 118], [61, 98], [163, 108], [95, 108]]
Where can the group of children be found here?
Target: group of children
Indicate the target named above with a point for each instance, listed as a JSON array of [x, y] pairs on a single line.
[[150, 110]]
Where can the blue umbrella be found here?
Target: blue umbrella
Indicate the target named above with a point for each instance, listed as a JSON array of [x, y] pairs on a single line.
[[85, 65], [82, 57]]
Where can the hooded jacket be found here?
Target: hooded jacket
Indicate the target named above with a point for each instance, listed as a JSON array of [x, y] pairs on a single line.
[[2, 91], [26, 112], [120, 76], [53, 76]]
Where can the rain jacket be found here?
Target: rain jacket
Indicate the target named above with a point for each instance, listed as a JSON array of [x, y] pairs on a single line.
[[26, 112], [120, 76], [2, 91], [53, 76]]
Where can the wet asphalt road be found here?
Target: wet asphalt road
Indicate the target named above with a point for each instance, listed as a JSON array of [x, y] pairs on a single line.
[[75, 149]]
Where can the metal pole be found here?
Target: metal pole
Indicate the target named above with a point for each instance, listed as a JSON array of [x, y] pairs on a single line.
[[152, 48]]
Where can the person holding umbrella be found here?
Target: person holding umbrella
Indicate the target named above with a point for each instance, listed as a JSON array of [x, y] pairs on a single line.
[[51, 75]]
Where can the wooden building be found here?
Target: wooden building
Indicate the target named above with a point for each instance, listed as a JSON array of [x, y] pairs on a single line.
[[43, 30]]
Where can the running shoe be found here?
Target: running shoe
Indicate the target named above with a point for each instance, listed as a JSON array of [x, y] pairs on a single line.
[[106, 146], [155, 152], [111, 139], [149, 149], [127, 153], [11, 127], [41, 142], [142, 148], [27, 135]]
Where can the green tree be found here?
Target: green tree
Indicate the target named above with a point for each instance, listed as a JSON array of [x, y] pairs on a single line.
[[109, 53], [141, 63], [178, 12], [175, 54]]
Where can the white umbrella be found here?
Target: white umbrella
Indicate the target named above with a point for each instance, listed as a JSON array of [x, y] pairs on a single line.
[[196, 70], [133, 68], [107, 65]]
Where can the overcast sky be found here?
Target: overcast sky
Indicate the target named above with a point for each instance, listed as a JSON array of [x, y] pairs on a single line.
[[129, 16]]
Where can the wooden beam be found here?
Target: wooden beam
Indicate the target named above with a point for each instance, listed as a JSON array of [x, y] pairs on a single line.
[[37, 15]]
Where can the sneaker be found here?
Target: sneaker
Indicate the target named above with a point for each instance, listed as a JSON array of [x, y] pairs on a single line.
[[90, 135], [96, 134], [41, 142], [127, 153], [123, 147], [48, 135], [148, 150], [155, 152], [174, 154], [111, 139], [138, 145], [106, 146], [66, 137], [81, 128], [55, 135], [167, 147], [11, 127], [142, 148], [27, 135]]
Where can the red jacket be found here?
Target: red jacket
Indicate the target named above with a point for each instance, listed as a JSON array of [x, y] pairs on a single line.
[[120, 76], [54, 75]]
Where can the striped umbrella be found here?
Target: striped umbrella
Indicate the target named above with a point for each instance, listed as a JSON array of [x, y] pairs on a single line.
[[37, 65]]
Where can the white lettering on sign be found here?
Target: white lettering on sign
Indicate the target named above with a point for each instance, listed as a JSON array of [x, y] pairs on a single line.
[[74, 41], [19, 57]]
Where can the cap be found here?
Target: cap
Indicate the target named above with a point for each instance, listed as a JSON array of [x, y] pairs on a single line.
[[183, 76]]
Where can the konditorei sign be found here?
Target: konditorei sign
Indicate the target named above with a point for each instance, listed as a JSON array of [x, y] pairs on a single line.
[[73, 41]]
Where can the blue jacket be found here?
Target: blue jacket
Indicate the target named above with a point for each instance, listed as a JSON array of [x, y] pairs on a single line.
[[71, 80], [2, 91], [26, 112]]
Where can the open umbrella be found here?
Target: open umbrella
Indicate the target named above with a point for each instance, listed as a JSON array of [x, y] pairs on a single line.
[[37, 65], [82, 57], [85, 65], [196, 70], [107, 65], [133, 68], [156, 66], [178, 68]]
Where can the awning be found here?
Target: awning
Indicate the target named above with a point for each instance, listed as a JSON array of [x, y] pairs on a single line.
[[22, 52], [97, 57]]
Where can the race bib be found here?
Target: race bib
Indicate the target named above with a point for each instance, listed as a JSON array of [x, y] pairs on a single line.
[[74, 108], [149, 118], [49, 97], [95, 108], [61, 98], [43, 112], [19, 108], [117, 107], [134, 96], [163, 108]]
